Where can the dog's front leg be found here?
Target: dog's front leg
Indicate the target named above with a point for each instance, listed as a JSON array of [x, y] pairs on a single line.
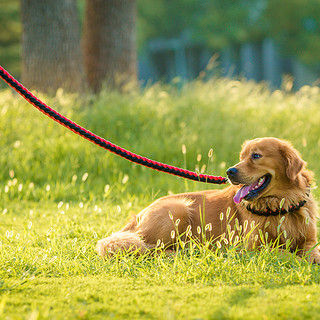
[[311, 252], [315, 255]]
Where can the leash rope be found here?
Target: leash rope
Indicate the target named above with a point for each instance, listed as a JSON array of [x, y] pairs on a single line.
[[51, 113]]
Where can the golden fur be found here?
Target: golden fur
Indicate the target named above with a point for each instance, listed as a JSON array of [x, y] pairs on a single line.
[[289, 181]]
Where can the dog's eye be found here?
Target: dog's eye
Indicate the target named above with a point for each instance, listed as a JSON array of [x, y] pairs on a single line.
[[256, 156]]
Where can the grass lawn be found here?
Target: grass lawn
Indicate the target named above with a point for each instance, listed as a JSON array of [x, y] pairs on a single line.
[[60, 194]]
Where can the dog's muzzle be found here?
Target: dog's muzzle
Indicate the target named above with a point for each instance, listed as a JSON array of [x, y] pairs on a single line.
[[232, 175]]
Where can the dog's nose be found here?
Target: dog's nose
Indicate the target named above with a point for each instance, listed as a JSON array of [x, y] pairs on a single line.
[[231, 172]]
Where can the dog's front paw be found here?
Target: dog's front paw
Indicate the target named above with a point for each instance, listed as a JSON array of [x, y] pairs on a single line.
[[315, 256]]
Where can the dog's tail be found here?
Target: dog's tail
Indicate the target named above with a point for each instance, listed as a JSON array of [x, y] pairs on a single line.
[[121, 241]]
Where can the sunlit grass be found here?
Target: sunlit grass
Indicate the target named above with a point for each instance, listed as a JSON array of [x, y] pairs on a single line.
[[60, 194]]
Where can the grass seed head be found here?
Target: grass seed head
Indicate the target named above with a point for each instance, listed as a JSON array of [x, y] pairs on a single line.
[[53, 259], [228, 212], [125, 179], [232, 233], [307, 220], [245, 225], [49, 231], [85, 177], [188, 231], [222, 165], [9, 234]]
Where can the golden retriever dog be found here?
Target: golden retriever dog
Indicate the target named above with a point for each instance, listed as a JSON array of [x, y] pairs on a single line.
[[269, 199]]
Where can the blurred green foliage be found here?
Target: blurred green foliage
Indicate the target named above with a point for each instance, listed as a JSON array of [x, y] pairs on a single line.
[[294, 24], [165, 18]]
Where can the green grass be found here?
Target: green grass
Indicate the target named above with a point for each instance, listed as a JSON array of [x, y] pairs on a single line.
[[60, 194]]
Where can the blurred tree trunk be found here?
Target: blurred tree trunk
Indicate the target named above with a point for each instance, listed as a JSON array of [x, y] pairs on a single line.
[[51, 50], [110, 43]]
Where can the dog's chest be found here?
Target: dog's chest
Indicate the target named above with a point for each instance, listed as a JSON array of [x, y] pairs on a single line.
[[290, 230]]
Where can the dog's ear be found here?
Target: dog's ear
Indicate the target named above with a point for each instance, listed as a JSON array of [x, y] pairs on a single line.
[[293, 160]]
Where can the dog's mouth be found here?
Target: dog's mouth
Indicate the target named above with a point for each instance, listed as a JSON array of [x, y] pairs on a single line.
[[248, 192]]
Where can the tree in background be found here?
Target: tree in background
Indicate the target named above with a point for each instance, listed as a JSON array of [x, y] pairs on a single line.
[[51, 52], [110, 42]]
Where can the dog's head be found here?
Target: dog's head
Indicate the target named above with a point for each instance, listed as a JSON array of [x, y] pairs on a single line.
[[267, 167]]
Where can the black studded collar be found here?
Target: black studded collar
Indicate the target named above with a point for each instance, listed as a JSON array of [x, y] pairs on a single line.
[[268, 212]]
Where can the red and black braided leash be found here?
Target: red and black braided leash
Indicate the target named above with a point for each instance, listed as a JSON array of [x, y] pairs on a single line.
[[25, 93]]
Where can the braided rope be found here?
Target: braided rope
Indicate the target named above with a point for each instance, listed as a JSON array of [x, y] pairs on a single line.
[[51, 113]]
